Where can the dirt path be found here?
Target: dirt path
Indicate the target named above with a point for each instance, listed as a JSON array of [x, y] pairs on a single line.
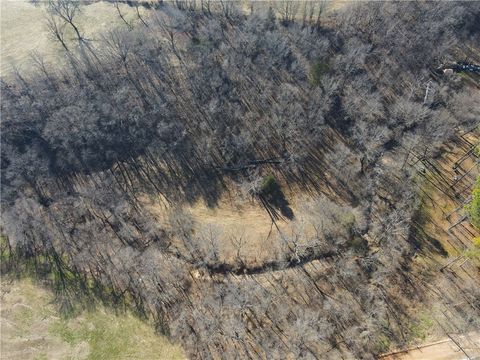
[[446, 349]]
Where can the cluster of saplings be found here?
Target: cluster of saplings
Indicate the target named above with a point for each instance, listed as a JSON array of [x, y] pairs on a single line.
[[193, 98]]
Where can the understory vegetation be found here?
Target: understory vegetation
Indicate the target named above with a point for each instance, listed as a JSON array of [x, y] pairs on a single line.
[[201, 100], [473, 208]]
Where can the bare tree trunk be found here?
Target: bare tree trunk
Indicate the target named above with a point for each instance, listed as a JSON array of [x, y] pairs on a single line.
[[129, 26]]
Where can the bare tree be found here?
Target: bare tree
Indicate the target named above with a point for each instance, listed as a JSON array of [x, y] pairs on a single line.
[[322, 6], [288, 10], [57, 30], [140, 17], [66, 10], [129, 24]]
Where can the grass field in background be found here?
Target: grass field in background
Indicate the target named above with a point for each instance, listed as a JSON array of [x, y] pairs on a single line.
[[32, 328]]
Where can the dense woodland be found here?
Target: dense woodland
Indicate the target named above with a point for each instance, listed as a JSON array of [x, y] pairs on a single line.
[[199, 99]]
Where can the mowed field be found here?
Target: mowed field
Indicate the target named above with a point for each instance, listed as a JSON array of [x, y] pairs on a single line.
[[24, 31], [33, 328]]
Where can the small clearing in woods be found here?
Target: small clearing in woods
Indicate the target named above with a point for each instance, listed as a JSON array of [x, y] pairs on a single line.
[[246, 221], [243, 224]]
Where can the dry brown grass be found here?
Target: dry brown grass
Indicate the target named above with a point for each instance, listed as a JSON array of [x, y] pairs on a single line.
[[236, 217], [23, 31], [439, 209]]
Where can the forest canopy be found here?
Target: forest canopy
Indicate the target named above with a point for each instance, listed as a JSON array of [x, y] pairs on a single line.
[[198, 101]]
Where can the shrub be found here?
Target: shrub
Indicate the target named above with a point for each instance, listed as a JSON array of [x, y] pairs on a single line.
[[317, 71], [473, 208], [269, 186]]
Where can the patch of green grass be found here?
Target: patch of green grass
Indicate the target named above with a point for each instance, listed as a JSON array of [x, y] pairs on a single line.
[[317, 71], [269, 186], [27, 311], [4, 249], [477, 150], [473, 208], [41, 357], [420, 328], [383, 344], [99, 333], [114, 336], [474, 252]]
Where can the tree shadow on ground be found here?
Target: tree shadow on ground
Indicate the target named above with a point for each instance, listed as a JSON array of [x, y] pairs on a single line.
[[422, 241], [274, 200]]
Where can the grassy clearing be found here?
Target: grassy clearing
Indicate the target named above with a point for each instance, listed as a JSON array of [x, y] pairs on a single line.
[[24, 30], [32, 328]]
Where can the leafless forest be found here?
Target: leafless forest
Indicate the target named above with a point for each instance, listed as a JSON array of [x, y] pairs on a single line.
[[344, 115]]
